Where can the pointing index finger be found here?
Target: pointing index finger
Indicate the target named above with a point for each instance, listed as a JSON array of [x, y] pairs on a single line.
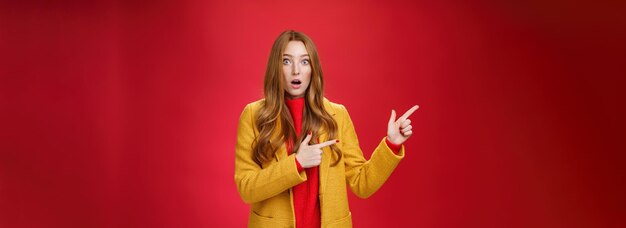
[[327, 143], [408, 113]]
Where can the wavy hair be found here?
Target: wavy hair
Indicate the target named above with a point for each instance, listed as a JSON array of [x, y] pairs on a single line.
[[274, 114]]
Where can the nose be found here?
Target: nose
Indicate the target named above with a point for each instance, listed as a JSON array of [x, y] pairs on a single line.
[[295, 70]]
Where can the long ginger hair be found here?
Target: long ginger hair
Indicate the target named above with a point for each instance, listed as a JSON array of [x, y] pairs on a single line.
[[274, 114]]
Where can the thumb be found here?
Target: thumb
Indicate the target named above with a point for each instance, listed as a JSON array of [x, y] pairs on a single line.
[[392, 119], [306, 139]]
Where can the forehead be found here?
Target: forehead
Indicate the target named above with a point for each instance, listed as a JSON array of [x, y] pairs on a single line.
[[295, 48]]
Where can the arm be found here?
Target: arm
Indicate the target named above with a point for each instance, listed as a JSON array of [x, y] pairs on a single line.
[[253, 182], [366, 177]]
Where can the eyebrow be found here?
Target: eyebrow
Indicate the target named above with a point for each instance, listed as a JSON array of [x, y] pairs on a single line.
[[292, 55]]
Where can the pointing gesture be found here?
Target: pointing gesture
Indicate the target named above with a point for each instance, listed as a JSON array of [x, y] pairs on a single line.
[[311, 155], [398, 131]]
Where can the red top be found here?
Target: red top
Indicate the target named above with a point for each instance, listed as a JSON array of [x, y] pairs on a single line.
[[305, 195]]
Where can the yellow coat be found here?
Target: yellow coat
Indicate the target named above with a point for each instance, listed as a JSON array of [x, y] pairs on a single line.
[[268, 188]]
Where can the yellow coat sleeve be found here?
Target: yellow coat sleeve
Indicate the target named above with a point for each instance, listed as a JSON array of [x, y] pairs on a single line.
[[255, 183], [365, 177]]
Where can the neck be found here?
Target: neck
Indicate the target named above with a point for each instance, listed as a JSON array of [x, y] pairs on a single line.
[[288, 97]]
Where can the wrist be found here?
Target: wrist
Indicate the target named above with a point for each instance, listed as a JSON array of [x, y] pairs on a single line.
[[388, 140], [393, 146], [297, 158]]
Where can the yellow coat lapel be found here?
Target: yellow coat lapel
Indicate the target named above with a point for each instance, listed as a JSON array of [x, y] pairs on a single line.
[[327, 153], [282, 150]]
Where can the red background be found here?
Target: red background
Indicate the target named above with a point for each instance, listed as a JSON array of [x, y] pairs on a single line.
[[124, 113]]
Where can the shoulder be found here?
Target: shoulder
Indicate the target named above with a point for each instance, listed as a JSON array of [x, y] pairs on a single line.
[[254, 106], [250, 109], [334, 108]]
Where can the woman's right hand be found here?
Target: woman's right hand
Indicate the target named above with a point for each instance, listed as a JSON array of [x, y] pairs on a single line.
[[311, 155]]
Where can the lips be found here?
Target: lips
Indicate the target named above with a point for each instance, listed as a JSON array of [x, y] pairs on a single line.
[[296, 83]]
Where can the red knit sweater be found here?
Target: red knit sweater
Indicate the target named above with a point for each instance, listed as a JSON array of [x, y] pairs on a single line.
[[305, 195]]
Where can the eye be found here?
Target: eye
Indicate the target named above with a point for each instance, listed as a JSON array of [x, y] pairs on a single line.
[[305, 62], [286, 61]]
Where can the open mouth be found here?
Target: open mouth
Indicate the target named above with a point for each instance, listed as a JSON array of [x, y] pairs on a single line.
[[296, 82]]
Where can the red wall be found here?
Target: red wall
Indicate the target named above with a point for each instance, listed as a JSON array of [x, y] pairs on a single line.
[[124, 113]]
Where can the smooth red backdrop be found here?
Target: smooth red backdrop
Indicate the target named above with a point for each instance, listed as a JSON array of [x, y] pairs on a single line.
[[124, 113]]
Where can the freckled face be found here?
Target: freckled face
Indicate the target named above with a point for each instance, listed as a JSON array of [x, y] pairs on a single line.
[[296, 69]]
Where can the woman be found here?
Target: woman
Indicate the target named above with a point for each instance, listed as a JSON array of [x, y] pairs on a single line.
[[303, 184]]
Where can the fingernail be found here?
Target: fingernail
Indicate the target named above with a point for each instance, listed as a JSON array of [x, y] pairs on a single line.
[[309, 132], [337, 140]]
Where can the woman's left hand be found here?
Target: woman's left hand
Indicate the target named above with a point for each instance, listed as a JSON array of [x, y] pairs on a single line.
[[398, 131]]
